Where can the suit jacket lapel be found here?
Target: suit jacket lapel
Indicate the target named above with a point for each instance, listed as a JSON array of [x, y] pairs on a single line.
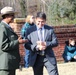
[[36, 34], [11, 30], [45, 32], [2, 23]]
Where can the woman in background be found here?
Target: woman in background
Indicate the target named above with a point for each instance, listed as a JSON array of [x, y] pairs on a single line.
[[29, 23], [70, 51]]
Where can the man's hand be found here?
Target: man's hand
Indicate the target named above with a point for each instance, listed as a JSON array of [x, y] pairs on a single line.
[[41, 45], [21, 41]]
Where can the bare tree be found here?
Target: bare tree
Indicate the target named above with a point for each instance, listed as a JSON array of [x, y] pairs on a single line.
[[23, 7]]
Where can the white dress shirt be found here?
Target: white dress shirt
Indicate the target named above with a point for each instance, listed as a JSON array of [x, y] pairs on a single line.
[[38, 30]]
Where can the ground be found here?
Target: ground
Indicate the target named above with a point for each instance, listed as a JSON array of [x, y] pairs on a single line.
[[63, 68]]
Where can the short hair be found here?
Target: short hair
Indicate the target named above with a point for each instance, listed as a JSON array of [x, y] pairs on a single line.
[[6, 15], [41, 15]]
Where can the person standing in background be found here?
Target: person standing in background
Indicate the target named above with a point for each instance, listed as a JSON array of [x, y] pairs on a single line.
[[9, 43], [29, 23], [41, 41]]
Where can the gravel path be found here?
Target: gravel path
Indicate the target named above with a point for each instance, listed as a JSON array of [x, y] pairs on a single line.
[[63, 68]]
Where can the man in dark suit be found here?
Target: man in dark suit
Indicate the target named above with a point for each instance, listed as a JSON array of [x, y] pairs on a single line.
[[41, 41], [9, 44]]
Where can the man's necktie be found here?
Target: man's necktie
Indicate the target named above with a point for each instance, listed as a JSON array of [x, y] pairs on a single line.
[[41, 39]]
